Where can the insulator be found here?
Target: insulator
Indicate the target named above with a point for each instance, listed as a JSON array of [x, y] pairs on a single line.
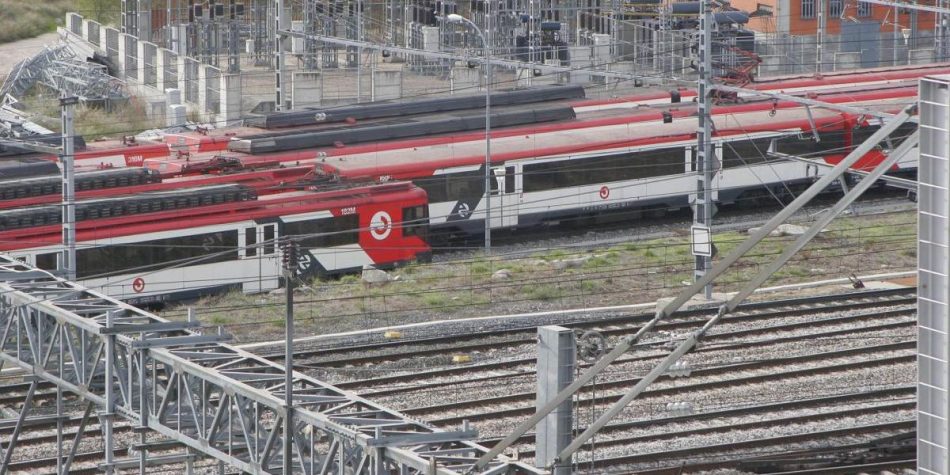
[[290, 256]]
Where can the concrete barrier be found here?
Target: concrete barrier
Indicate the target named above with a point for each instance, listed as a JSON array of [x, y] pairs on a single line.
[[386, 84], [306, 89], [921, 56], [149, 70]]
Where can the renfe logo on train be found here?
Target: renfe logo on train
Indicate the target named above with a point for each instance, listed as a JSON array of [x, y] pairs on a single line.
[[381, 225]]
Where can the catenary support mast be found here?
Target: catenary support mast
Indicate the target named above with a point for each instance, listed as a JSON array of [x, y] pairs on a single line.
[[703, 205]]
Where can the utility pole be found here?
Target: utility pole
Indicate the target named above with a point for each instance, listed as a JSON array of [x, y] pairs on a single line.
[[820, 37], [487, 39], [67, 263], [278, 54], [290, 273], [703, 205], [897, 34]]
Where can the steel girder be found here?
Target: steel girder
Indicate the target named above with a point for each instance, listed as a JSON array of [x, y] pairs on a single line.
[[214, 398]]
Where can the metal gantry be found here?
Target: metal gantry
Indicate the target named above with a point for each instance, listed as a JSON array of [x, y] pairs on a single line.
[[718, 269], [167, 378], [933, 287]]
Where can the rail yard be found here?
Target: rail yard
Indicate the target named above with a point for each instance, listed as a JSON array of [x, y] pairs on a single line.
[[473, 237]]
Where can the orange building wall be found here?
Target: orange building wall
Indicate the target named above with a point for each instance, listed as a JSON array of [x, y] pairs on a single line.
[[800, 26]]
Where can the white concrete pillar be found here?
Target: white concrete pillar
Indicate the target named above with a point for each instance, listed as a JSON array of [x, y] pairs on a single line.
[[160, 69], [121, 59], [231, 99], [182, 75], [203, 93], [102, 38]]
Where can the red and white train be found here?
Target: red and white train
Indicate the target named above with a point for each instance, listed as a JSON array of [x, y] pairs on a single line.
[[351, 203], [585, 168], [192, 249]]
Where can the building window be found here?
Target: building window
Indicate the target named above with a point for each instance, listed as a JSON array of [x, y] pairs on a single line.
[[864, 9], [835, 7], [808, 8]]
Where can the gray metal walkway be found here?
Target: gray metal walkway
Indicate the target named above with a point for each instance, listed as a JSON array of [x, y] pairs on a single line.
[[213, 398]]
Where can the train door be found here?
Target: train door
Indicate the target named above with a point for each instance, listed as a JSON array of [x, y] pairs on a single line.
[[503, 198], [258, 250], [693, 167]]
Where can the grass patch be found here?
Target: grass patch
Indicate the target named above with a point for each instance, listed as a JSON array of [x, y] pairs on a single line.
[[20, 19], [541, 292], [480, 268], [597, 262], [435, 300], [590, 285], [92, 123], [639, 272]]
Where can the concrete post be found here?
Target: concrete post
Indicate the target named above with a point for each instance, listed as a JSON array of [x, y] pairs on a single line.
[[557, 355], [121, 60], [231, 99], [203, 93], [160, 61], [182, 76]]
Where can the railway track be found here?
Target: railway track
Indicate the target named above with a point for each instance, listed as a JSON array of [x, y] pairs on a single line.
[[431, 412], [382, 350], [869, 321], [758, 352]]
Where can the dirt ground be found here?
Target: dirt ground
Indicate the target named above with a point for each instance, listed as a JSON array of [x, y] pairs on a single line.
[[13, 53]]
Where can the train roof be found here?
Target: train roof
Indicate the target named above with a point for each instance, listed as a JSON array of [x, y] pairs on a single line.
[[17, 167], [534, 139], [266, 207], [405, 162]]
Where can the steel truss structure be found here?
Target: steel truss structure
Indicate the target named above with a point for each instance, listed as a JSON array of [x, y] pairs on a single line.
[[190, 388]]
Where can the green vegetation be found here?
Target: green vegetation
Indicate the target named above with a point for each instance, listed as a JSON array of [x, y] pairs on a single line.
[[21, 19], [102, 11], [625, 273], [91, 122]]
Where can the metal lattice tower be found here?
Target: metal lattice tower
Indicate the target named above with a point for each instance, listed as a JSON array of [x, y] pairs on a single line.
[[933, 286], [167, 378]]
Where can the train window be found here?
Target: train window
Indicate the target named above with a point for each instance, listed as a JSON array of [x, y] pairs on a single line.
[[415, 221], [861, 134], [602, 169], [250, 242], [465, 184], [270, 243], [197, 249], [325, 232], [832, 142], [740, 153], [47, 261], [452, 186]]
